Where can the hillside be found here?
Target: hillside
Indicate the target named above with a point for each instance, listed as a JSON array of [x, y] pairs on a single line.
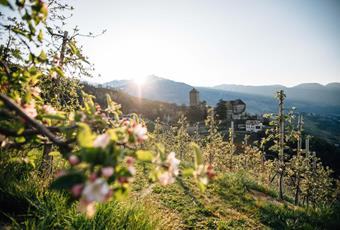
[[150, 109], [259, 99], [232, 201]]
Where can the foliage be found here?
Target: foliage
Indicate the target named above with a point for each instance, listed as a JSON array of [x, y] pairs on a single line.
[[99, 145]]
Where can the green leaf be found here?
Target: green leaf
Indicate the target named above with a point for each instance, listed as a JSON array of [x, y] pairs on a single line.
[[73, 47], [20, 139], [198, 154], [42, 56], [54, 154], [144, 155], [85, 136], [201, 186], [58, 117], [40, 36], [67, 181], [59, 71], [187, 172]]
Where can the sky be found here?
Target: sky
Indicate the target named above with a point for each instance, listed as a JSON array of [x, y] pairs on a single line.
[[211, 42]]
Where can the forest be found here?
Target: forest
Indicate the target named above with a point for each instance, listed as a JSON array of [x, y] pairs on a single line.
[[73, 156]]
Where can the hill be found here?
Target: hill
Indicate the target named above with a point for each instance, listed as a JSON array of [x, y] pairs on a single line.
[[309, 98]]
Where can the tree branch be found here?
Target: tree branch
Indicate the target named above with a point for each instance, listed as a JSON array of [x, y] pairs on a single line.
[[32, 122]]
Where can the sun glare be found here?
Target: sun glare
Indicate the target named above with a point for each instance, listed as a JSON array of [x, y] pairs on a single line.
[[140, 81]]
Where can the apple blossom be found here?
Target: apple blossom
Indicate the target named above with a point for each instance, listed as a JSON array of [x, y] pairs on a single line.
[[30, 110], [35, 91], [140, 132], [102, 141], [107, 171], [77, 189], [203, 173], [73, 159], [173, 163], [49, 109], [129, 162], [96, 190]]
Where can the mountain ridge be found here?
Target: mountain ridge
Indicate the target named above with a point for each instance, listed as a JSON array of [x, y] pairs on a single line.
[[307, 97]]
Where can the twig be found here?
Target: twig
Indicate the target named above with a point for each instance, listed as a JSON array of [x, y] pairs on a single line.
[[29, 132]]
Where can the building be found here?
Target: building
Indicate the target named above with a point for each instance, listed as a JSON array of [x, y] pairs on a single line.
[[254, 126], [194, 97], [235, 109]]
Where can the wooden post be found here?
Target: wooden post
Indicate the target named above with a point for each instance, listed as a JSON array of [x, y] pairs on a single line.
[[307, 145], [281, 97], [63, 48], [231, 144], [47, 160], [299, 147]]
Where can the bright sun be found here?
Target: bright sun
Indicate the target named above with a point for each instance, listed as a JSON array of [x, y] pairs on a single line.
[[140, 81]]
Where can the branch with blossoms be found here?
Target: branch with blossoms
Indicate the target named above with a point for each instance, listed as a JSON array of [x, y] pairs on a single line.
[[100, 146], [102, 158], [27, 116]]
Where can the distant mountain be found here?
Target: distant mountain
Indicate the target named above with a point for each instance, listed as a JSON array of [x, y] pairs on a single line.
[[314, 93], [259, 99]]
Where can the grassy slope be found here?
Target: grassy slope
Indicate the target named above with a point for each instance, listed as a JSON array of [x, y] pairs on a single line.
[[232, 201]]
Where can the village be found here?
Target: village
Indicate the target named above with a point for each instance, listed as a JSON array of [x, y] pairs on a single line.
[[235, 118]]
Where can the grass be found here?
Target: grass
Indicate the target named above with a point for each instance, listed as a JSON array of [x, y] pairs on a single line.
[[232, 201], [26, 203]]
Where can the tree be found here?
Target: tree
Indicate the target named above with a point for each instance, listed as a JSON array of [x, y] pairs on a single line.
[[221, 110], [99, 145]]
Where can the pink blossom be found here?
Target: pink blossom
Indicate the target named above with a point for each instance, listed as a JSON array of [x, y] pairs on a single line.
[[173, 163], [77, 189], [73, 159], [210, 171], [166, 178], [92, 177], [49, 109], [107, 171], [35, 91], [96, 190], [60, 173], [102, 141], [30, 110], [203, 173], [129, 162], [140, 132]]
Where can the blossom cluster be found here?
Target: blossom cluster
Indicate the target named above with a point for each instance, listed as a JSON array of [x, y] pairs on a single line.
[[170, 169], [204, 173]]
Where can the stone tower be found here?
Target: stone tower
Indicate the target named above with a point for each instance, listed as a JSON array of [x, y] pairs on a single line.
[[194, 97]]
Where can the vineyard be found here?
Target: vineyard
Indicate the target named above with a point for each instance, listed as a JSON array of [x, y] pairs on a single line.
[[68, 162]]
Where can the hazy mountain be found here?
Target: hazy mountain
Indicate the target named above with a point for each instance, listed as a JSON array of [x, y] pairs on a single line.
[[259, 99], [322, 95]]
